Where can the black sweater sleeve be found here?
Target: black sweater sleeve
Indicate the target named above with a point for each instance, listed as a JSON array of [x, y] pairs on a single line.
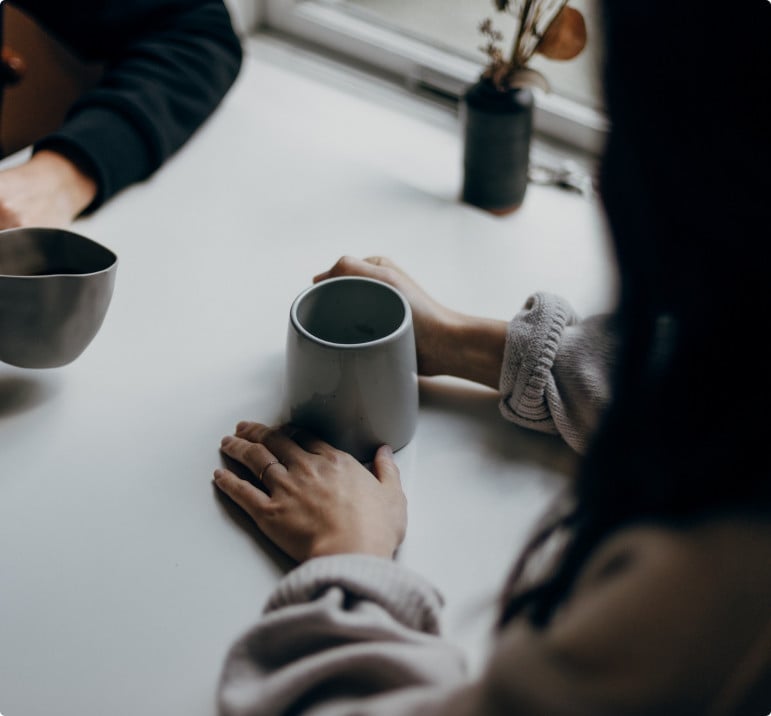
[[169, 63]]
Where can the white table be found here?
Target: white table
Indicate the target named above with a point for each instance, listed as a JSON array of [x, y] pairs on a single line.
[[124, 577]]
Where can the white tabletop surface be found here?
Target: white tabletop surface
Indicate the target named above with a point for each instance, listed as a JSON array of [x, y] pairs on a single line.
[[123, 576]]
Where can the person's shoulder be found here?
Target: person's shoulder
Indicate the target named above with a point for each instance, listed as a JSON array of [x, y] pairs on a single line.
[[710, 560], [733, 542], [689, 599], [660, 618]]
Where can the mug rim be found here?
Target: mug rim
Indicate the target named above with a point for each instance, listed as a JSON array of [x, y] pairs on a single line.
[[396, 334], [111, 257]]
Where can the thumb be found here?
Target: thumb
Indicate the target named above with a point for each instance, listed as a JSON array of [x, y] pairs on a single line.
[[384, 467]]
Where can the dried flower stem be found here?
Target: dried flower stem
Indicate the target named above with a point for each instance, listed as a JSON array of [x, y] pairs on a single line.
[[515, 60]]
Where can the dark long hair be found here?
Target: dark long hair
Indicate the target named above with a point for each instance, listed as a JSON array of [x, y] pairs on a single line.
[[685, 187]]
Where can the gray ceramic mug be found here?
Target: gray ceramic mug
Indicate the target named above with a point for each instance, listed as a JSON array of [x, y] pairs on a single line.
[[55, 288], [351, 371]]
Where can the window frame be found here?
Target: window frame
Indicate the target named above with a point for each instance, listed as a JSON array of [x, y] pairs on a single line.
[[420, 66]]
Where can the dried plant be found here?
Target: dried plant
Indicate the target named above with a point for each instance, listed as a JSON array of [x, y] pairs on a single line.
[[545, 26]]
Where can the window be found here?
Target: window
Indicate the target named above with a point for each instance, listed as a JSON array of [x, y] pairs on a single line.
[[434, 44]]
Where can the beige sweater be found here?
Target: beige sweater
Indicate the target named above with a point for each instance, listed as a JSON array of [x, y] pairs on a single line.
[[660, 622]]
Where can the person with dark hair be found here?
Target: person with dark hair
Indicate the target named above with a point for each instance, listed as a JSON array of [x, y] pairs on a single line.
[[106, 92], [647, 590]]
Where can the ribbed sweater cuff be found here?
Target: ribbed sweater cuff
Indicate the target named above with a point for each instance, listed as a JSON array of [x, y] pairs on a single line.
[[408, 597], [532, 341]]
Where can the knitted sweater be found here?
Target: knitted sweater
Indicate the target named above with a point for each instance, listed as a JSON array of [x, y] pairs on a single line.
[[555, 369], [659, 621]]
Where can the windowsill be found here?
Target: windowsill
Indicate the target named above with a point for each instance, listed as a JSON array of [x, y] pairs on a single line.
[[393, 92], [420, 66]]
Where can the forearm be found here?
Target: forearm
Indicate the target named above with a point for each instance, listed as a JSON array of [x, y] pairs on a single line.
[[553, 371], [473, 349], [169, 66]]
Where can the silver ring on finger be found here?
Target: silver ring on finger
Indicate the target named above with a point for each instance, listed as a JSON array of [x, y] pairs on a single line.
[[265, 469]]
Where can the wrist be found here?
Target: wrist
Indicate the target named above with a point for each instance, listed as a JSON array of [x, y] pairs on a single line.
[[75, 187], [345, 544], [475, 349]]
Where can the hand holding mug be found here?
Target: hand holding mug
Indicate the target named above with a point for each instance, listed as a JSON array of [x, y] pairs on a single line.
[[432, 321], [447, 342]]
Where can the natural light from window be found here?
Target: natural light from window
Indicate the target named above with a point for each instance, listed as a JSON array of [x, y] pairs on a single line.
[[453, 25]]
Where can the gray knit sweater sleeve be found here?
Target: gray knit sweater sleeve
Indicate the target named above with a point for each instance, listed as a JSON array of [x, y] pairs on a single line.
[[555, 375], [346, 634], [354, 635]]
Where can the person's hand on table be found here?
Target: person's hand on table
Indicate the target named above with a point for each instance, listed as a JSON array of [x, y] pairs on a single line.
[[316, 500], [447, 342], [48, 190]]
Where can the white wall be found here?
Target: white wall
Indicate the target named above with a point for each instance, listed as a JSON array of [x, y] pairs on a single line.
[[246, 14]]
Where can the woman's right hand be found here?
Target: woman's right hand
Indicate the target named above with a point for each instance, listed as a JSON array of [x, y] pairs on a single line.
[[433, 322], [447, 342]]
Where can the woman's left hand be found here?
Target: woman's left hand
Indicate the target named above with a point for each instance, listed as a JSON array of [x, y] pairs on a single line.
[[315, 500]]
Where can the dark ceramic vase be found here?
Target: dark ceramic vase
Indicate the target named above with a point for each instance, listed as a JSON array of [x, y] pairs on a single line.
[[497, 128]]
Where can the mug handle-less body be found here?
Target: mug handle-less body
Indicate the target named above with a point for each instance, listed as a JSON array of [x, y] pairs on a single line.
[[355, 395]]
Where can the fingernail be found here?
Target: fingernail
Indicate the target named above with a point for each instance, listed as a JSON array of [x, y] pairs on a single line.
[[388, 450], [217, 474], [226, 440], [243, 425]]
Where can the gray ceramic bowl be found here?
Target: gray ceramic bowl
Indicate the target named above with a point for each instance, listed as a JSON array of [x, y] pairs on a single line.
[[55, 287]]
